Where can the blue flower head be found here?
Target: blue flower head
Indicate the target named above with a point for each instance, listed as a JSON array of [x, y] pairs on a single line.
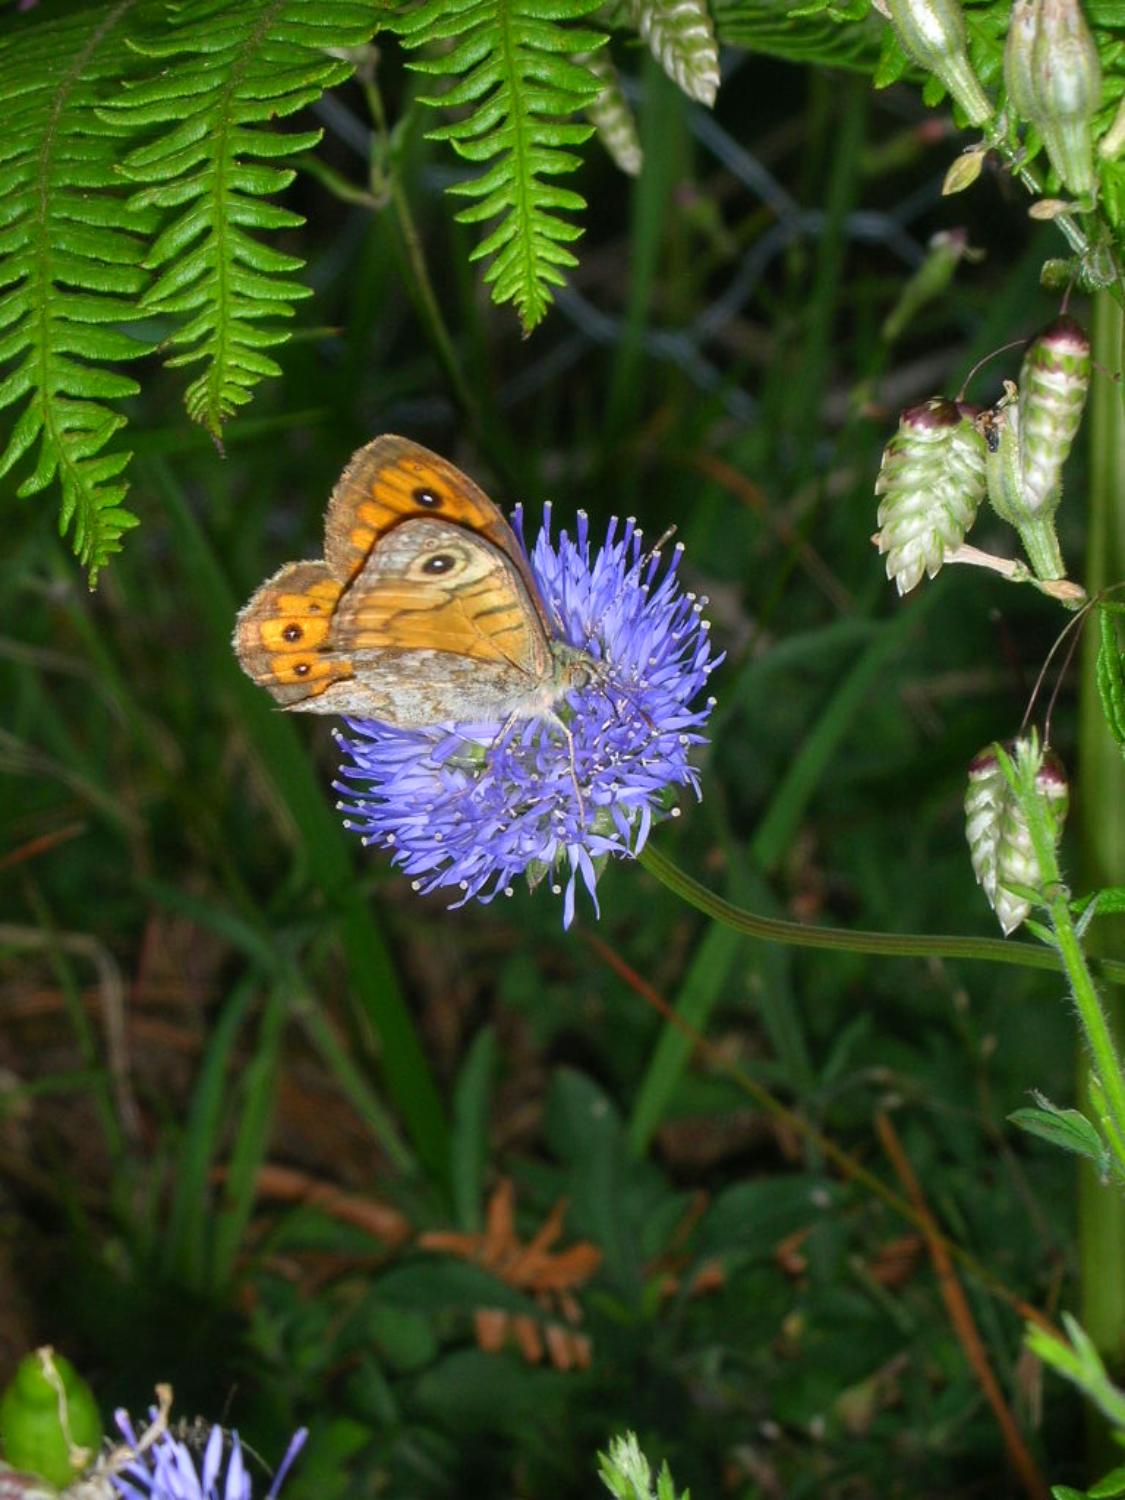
[[470, 807], [167, 1469]]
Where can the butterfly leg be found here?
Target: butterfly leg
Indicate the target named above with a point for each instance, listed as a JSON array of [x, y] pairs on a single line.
[[564, 728], [552, 718]]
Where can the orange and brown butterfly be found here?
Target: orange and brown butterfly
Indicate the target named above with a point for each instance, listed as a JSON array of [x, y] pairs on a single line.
[[423, 610]]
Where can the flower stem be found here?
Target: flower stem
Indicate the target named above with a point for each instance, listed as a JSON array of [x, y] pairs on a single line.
[[1056, 897], [886, 944], [1042, 548], [1100, 809]]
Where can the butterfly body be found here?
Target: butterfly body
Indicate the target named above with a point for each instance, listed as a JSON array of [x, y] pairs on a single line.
[[423, 611]]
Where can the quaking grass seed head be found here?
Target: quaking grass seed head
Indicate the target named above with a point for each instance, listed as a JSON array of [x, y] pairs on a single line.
[[996, 826], [930, 485], [1054, 382]]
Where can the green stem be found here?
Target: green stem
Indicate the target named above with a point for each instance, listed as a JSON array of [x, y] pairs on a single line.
[[1107, 1065], [1100, 808], [1042, 548], [885, 944]]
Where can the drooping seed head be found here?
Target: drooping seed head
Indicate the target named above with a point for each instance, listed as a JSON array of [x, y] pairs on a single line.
[[1000, 843], [1054, 381], [931, 483]]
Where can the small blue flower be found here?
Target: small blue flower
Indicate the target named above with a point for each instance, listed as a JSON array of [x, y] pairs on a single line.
[[472, 806], [168, 1470]]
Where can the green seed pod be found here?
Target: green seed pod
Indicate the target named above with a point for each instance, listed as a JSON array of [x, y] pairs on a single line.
[[1001, 428], [49, 1422], [931, 483], [1000, 845], [1007, 489], [1054, 380], [1066, 89], [933, 33], [1018, 83]]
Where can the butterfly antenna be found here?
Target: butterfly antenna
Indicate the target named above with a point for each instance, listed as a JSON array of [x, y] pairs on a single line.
[[665, 536]]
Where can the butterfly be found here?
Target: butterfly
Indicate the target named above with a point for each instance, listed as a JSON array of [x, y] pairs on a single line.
[[424, 609]]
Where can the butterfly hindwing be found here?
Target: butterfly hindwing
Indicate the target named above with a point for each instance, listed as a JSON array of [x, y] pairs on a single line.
[[429, 586], [423, 611]]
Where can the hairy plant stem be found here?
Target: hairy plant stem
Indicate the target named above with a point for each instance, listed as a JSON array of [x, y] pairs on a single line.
[[1056, 898], [1042, 548], [1100, 808], [885, 944]]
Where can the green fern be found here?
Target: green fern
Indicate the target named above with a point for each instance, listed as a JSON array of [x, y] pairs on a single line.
[[515, 69], [235, 65], [803, 32], [70, 258]]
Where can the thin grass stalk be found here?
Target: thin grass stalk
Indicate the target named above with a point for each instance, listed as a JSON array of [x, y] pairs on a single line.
[[378, 1005], [653, 217]]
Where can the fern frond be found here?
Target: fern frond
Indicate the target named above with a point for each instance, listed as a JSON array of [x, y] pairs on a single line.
[[513, 62], [236, 65], [70, 259], [802, 33], [611, 116], [681, 36]]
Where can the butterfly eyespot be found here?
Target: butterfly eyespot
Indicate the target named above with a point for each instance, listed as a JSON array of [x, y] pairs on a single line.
[[427, 498], [441, 562], [300, 669], [292, 633]]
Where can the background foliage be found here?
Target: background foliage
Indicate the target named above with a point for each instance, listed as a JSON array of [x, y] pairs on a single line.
[[243, 1069]]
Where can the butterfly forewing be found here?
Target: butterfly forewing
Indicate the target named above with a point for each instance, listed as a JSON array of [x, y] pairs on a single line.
[[393, 480]]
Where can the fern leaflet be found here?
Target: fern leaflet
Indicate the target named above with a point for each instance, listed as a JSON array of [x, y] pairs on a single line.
[[70, 258], [237, 65], [811, 32], [514, 67]]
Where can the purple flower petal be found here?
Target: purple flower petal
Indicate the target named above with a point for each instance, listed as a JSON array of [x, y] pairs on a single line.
[[168, 1470], [471, 807]]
